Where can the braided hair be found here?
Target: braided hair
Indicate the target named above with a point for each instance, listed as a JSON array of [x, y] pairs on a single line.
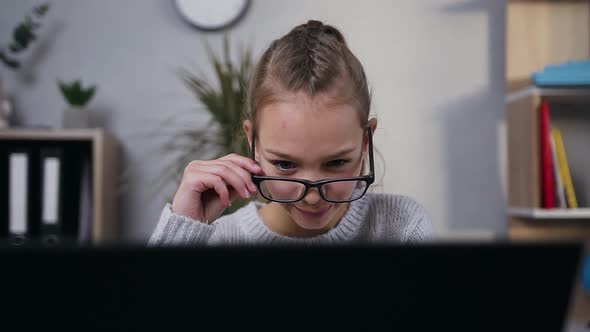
[[312, 58]]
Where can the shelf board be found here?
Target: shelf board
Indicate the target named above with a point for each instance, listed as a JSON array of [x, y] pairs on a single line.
[[50, 134], [538, 213], [547, 92]]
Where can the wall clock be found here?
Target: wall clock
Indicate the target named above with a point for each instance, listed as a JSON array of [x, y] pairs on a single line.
[[212, 15]]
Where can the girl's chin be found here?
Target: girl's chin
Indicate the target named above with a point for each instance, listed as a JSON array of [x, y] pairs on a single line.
[[312, 222], [312, 225]]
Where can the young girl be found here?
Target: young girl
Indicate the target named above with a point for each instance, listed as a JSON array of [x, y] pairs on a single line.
[[309, 128]]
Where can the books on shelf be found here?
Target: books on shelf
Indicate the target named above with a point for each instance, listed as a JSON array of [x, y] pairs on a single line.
[[557, 188], [547, 178], [560, 201], [564, 170]]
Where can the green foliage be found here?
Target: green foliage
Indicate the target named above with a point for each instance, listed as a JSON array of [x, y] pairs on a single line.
[[224, 99], [75, 94], [22, 36]]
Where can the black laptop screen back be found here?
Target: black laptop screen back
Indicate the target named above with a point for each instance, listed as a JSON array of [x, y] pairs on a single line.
[[436, 287]]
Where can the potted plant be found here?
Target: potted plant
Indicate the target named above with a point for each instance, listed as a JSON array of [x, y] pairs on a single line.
[[22, 37], [76, 115], [224, 100]]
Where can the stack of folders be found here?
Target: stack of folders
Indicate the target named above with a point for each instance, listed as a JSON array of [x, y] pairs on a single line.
[[556, 180], [45, 194]]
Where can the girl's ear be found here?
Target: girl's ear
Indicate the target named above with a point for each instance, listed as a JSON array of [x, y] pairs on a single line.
[[373, 125], [247, 125]]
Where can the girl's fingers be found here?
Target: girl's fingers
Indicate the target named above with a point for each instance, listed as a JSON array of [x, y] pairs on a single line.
[[247, 163], [212, 181], [246, 177], [229, 176]]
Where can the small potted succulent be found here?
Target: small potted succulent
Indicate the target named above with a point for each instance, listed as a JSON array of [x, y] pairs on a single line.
[[76, 116]]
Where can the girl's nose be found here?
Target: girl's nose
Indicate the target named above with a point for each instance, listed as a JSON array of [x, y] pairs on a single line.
[[312, 197]]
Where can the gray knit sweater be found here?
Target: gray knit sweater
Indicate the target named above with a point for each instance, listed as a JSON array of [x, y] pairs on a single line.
[[375, 218]]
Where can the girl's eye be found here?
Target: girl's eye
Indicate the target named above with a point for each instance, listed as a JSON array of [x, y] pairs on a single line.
[[284, 165], [337, 163]]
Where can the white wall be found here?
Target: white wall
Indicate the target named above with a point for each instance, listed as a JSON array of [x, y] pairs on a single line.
[[436, 68]]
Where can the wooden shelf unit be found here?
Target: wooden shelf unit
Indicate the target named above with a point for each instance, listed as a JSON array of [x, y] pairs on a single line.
[[540, 33], [104, 172], [524, 159], [537, 213], [527, 221]]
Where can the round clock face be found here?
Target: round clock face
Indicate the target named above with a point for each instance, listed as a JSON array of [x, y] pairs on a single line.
[[212, 14]]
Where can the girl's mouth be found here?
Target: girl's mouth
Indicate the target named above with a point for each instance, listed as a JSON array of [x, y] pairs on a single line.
[[314, 214]]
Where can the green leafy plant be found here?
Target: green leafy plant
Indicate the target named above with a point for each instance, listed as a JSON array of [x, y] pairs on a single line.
[[75, 94], [224, 100], [22, 36]]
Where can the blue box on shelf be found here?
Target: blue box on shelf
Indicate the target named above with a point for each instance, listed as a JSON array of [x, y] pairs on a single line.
[[570, 74]]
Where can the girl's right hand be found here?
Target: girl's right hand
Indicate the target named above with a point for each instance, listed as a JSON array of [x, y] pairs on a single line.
[[208, 187]]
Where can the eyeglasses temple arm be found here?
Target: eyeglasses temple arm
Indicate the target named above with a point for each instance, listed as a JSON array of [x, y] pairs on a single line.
[[253, 138], [371, 162]]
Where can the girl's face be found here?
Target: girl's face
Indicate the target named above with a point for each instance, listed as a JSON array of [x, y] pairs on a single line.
[[312, 139]]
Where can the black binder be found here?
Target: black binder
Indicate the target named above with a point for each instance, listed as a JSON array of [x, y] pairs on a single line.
[[74, 159], [71, 158], [51, 173], [3, 193], [13, 229]]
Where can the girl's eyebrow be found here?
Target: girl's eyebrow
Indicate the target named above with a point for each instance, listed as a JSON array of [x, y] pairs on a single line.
[[279, 154], [342, 152], [286, 156]]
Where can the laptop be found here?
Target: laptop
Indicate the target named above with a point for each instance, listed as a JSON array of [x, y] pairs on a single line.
[[434, 287]]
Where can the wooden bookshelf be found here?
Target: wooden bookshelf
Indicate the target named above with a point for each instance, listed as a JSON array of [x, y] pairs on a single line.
[[524, 166], [104, 172], [540, 33]]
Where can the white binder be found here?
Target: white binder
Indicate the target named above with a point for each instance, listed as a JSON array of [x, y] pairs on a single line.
[[18, 195]]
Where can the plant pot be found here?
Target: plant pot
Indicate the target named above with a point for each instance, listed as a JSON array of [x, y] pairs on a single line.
[[76, 117], [6, 108]]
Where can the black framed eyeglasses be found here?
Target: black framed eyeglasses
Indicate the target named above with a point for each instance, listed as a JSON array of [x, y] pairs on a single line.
[[291, 190]]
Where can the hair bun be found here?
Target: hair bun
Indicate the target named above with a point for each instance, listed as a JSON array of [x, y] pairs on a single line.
[[329, 30], [313, 24]]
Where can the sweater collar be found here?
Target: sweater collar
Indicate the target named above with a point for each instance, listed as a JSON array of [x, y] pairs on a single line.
[[344, 231]]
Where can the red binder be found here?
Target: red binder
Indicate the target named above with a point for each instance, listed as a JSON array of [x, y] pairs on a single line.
[[547, 178]]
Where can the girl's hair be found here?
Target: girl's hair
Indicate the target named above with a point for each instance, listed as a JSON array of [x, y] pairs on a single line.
[[312, 58]]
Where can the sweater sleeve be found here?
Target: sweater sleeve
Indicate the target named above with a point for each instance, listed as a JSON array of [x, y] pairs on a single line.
[[177, 230]]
